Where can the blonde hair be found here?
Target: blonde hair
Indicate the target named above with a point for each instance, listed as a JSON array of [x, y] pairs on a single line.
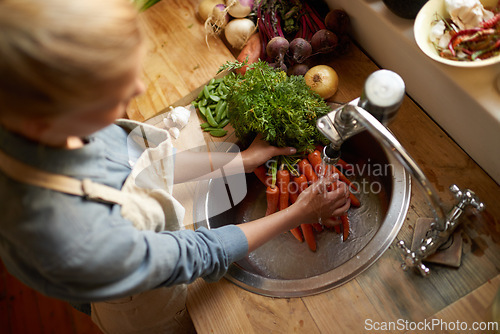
[[57, 55]]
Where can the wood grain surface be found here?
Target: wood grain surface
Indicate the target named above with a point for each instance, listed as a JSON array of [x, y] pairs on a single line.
[[178, 61], [178, 56], [384, 292]]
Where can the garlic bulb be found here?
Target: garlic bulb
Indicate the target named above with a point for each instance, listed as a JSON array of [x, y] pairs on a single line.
[[176, 119]]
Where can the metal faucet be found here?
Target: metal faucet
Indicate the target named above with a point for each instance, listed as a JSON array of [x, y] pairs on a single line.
[[379, 103]]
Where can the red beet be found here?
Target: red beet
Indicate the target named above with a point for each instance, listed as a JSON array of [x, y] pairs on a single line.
[[324, 41], [300, 49], [277, 47], [337, 21]]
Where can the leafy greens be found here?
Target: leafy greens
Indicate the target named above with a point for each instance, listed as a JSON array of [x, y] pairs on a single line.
[[282, 108]]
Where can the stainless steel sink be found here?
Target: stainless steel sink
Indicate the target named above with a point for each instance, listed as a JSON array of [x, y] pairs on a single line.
[[285, 267]]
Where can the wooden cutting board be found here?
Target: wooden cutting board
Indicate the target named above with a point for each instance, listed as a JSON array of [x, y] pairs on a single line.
[[178, 57]]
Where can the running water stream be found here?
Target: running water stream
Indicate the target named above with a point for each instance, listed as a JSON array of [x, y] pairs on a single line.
[[324, 171]]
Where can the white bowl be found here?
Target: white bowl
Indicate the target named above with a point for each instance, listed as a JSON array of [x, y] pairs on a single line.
[[422, 28]]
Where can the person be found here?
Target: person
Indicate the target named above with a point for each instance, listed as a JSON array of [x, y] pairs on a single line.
[[75, 224]]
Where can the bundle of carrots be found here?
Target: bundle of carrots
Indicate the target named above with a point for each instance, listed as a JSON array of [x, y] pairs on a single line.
[[303, 171]]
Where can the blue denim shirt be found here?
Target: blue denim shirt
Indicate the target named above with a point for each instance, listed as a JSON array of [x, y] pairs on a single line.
[[78, 250]]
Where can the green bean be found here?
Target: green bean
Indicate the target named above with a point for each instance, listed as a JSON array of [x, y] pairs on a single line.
[[203, 102]]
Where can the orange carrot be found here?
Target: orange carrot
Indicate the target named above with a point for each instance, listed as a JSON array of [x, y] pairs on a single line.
[[307, 230], [272, 196], [317, 227], [316, 162], [294, 194], [306, 168], [345, 180], [345, 165], [283, 182], [337, 229], [252, 50], [297, 233], [301, 182], [354, 200], [345, 227], [319, 147], [261, 173]]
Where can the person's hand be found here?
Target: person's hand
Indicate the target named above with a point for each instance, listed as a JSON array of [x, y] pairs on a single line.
[[260, 151], [317, 201]]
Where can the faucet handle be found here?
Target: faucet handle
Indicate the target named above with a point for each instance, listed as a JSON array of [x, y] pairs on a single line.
[[411, 260], [382, 95], [466, 198]]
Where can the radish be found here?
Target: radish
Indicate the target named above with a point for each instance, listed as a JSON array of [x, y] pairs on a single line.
[[238, 31], [219, 16], [239, 8], [206, 7], [217, 20]]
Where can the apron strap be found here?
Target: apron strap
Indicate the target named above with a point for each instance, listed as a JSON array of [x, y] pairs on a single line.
[[24, 173]]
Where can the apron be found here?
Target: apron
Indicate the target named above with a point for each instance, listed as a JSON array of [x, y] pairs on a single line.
[[146, 200]]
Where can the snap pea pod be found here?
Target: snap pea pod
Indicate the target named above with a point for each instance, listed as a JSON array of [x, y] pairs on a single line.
[[224, 122], [218, 132], [203, 111], [219, 109], [212, 104], [209, 128], [205, 125], [211, 119]]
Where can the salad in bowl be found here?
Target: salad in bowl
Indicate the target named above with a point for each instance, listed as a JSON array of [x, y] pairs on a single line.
[[460, 32]]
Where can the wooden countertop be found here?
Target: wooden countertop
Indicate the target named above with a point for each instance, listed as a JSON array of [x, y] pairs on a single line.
[[178, 61]]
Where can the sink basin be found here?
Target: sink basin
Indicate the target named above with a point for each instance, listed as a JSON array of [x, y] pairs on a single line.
[[284, 267]]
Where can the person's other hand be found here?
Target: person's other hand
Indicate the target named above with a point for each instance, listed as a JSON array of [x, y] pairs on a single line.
[[261, 151]]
